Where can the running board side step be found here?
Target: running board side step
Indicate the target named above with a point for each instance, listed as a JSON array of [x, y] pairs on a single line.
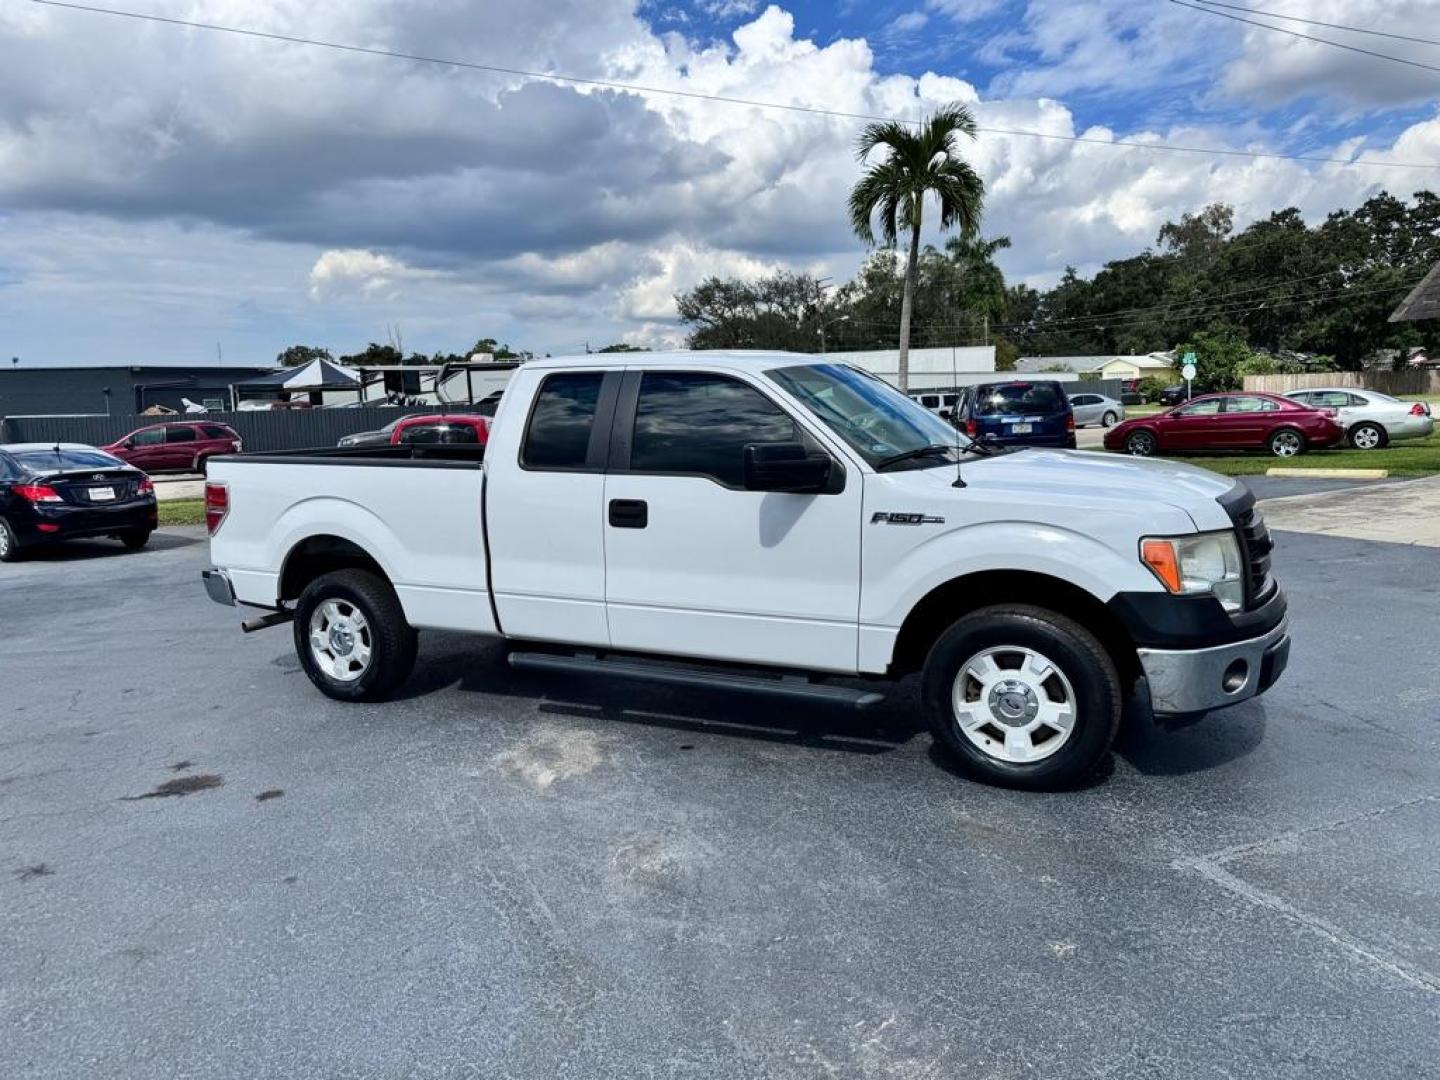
[[794, 689]]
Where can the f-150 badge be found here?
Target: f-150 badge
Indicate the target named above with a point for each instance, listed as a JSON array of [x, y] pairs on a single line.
[[887, 518]]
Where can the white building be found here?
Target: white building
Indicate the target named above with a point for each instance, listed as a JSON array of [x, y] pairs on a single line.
[[929, 368]]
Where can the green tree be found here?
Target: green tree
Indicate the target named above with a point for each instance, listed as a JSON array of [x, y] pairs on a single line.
[[374, 355], [296, 355], [918, 164], [783, 311], [622, 347], [1219, 357]]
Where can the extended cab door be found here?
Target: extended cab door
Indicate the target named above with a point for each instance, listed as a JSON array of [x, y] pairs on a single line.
[[697, 565], [544, 509]]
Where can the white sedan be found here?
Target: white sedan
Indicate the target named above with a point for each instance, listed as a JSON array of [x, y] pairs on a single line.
[[1370, 419]]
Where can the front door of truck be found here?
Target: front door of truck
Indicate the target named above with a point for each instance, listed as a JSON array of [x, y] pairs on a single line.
[[697, 565], [544, 510]]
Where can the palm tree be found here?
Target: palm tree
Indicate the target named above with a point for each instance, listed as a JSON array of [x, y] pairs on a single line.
[[920, 162]]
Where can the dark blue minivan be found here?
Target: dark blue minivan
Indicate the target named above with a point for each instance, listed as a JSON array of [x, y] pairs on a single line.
[[1021, 412]]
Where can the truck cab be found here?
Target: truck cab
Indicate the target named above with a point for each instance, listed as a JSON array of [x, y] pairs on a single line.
[[768, 522]]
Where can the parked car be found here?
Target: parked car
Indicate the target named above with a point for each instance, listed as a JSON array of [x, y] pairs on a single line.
[[1229, 422], [1175, 395], [1371, 420], [942, 405], [51, 492], [1017, 413], [429, 428], [1096, 409], [748, 510], [176, 447]]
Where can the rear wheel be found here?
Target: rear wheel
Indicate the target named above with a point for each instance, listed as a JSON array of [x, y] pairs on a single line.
[[1108, 420], [1140, 443], [135, 539], [9, 543], [1285, 443], [1367, 436], [352, 637], [1022, 696]]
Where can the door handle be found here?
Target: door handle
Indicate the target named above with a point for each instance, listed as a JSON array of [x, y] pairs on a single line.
[[629, 513]]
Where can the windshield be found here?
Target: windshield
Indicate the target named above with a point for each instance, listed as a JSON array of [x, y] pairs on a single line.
[[53, 460], [877, 420], [1038, 397]]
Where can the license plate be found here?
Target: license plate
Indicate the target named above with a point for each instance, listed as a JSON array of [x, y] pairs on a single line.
[[102, 494], [1021, 429]]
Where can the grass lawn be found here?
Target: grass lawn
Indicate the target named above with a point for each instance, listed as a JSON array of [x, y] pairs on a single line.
[[182, 512], [1413, 457]]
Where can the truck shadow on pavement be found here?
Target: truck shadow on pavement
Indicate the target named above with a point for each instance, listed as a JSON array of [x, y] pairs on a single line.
[[453, 662]]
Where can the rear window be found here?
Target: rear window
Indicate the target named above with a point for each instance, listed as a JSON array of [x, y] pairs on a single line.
[[213, 431], [564, 414], [1019, 398], [51, 460]]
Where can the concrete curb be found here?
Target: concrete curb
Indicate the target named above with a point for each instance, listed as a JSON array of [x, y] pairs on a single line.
[[1329, 474]]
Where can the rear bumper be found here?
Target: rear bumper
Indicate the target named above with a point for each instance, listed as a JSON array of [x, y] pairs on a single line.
[[217, 585], [1187, 681], [50, 522]]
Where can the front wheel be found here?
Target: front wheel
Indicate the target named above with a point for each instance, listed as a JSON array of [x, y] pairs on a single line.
[[1140, 444], [352, 637], [1022, 696], [1109, 420], [1286, 443]]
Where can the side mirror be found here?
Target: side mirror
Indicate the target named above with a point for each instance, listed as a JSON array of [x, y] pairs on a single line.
[[946, 414], [786, 467]]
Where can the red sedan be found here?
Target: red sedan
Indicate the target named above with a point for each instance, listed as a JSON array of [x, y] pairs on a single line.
[[1238, 421]]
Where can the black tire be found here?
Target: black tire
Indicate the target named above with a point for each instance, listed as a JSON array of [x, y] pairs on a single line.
[[1368, 436], [1109, 420], [10, 549], [1075, 653], [1282, 440], [135, 539], [390, 639], [1141, 444]]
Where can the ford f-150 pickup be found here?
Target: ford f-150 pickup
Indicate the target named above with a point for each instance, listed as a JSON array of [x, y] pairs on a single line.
[[767, 523]]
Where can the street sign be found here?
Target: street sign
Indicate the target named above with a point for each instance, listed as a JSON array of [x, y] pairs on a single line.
[[1188, 371]]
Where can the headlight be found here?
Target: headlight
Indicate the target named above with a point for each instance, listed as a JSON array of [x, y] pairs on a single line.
[[1195, 565]]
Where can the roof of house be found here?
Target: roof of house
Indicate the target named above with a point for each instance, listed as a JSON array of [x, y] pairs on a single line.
[[1035, 365], [1423, 301]]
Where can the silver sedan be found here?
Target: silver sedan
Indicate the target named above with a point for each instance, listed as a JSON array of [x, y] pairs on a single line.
[[1096, 409], [1371, 419]]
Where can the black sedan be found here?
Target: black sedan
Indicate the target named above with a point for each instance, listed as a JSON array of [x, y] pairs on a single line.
[[63, 491]]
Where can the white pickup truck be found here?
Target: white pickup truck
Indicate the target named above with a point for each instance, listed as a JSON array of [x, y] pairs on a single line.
[[765, 522]]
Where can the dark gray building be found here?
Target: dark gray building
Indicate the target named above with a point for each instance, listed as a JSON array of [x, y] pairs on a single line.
[[48, 391]]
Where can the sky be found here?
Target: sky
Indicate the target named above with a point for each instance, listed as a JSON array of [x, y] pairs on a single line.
[[172, 195]]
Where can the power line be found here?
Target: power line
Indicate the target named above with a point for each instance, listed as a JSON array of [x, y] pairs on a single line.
[[1306, 37], [1317, 22], [611, 84]]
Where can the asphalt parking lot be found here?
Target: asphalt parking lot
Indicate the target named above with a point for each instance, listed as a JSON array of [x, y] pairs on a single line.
[[501, 876]]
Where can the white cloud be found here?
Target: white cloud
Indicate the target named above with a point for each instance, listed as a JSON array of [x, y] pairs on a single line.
[[909, 22], [369, 274]]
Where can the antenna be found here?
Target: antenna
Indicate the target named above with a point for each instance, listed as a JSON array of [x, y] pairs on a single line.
[[955, 385]]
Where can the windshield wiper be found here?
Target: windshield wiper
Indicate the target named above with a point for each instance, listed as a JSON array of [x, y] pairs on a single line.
[[919, 451]]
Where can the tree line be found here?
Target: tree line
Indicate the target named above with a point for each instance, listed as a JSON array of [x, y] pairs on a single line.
[[1277, 287]]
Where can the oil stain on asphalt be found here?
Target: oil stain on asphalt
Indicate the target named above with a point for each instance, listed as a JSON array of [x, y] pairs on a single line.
[[180, 786]]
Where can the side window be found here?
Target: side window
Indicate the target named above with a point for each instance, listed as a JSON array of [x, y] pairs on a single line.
[[1354, 400], [179, 434], [1208, 407], [1303, 399], [152, 437], [213, 432], [1082, 399], [1249, 405], [7, 469], [698, 423], [560, 423]]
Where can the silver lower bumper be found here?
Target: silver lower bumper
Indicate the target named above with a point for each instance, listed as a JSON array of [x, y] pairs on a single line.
[[1198, 680], [217, 584]]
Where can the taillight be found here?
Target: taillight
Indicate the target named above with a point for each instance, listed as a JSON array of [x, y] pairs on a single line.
[[147, 486], [217, 505], [1418, 409], [1070, 421], [971, 428], [37, 493]]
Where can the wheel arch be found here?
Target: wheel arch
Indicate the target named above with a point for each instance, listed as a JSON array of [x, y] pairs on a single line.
[[319, 554], [951, 600]]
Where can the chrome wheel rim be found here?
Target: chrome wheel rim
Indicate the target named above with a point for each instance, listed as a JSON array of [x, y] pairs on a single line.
[[1286, 444], [1108, 420], [1366, 438], [4, 540], [1141, 445], [340, 641], [1013, 704]]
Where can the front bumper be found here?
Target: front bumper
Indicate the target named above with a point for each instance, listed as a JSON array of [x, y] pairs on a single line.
[[1186, 681]]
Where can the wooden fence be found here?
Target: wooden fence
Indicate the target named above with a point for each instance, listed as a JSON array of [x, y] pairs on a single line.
[[1387, 382]]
